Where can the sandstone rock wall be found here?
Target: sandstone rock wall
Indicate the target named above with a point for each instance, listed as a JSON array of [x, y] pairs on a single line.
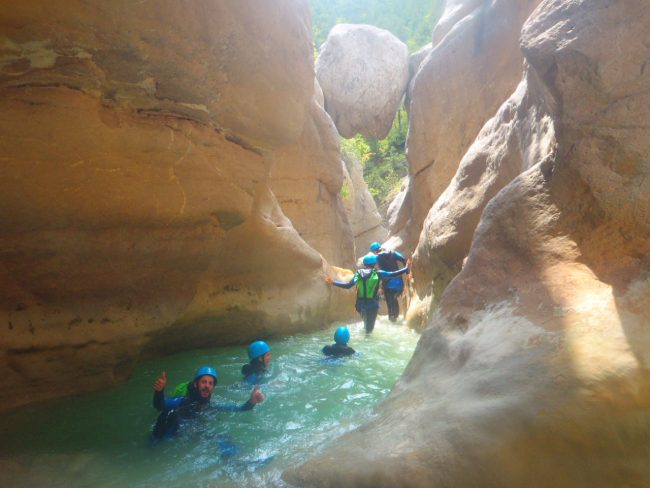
[[141, 148], [475, 64], [534, 370], [365, 220], [520, 135]]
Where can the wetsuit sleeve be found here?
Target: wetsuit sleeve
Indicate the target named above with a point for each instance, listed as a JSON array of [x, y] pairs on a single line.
[[400, 257], [384, 275], [349, 284], [162, 403], [251, 379], [159, 399], [233, 408]]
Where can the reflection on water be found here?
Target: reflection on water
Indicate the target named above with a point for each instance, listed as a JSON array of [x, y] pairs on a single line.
[[101, 440]]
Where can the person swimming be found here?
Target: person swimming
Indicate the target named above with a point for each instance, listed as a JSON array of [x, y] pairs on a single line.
[[340, 347], [259, 355], [196, 399]]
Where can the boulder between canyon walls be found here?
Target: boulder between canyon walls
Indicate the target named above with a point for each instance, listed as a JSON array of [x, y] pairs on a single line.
[[533, 372], [363, 71], [459, 86], [134, 188]]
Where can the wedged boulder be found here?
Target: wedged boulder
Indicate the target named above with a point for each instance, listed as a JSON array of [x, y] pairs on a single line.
[[364, 217], [363, 71], [135, 198], [494, 159], [472, 69], [534, 370]]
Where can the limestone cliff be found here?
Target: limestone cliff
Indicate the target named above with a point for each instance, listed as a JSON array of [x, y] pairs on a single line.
[[144, 150], [534, 370]]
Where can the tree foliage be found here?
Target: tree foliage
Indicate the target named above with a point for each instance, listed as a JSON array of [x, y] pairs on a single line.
[[383, 161], [411, 21]]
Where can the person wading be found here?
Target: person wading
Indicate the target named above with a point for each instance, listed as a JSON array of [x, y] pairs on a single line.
[[367, 280]]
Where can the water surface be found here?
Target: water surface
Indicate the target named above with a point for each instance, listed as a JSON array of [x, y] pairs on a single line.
[[101, 439]]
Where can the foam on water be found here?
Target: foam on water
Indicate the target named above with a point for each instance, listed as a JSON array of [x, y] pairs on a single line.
[[102, 439]]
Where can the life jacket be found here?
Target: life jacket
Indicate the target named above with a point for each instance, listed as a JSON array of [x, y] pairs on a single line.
[[367, 281], [181, 390]]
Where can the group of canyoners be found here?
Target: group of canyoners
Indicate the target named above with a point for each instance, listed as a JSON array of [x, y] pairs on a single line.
[[381, 270]]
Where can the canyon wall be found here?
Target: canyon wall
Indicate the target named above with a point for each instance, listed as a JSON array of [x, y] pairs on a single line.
[[151, 160], [533, 370]]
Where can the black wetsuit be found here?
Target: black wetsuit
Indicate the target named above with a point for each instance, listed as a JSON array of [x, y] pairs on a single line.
[[175, 409], [388, 260], [367, 303], [338, 350]]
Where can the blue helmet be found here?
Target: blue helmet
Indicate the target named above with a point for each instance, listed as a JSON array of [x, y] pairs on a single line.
[[375, 246], [257, 349], [206, 370], [369, 260], [342, 335]]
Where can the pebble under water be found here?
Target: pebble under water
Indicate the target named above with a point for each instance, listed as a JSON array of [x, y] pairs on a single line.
[[101, 439]]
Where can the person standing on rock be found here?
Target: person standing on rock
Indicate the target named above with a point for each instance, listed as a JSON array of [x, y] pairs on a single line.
[[389, 260], [196, 399], [367, 280]]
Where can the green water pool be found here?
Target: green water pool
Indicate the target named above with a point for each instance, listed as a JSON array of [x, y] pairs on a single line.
[[101, 439]]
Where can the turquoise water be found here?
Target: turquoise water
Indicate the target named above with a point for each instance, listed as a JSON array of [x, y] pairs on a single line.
[[101, 440]]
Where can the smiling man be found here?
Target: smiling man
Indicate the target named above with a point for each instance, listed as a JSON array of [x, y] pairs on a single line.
[[189, 400]]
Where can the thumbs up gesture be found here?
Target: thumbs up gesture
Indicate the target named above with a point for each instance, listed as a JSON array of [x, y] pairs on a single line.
[[256, 395], [160, 383]]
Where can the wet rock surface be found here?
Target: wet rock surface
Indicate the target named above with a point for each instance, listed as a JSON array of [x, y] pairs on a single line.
[[533, 370], [140, 158]]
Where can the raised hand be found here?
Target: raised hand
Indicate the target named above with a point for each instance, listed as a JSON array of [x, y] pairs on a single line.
[[256, 395], [328, 279], [160, 383]]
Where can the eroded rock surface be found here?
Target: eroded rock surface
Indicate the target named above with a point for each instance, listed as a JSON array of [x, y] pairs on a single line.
[[365, 220], [474, 66], [534, 371], [363, 71], [137, 205], [520, 135]]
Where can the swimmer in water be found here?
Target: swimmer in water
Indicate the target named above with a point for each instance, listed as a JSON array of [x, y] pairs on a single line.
[[340, 347], [259, 355], [196, 399]]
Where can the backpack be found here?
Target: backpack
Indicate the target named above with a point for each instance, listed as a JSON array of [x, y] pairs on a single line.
[[367, 282]]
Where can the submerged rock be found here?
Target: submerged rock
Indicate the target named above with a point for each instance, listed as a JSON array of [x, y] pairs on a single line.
[[363, 71]]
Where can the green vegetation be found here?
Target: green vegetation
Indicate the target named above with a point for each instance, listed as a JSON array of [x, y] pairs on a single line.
[[411, 21], [383, 161]]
